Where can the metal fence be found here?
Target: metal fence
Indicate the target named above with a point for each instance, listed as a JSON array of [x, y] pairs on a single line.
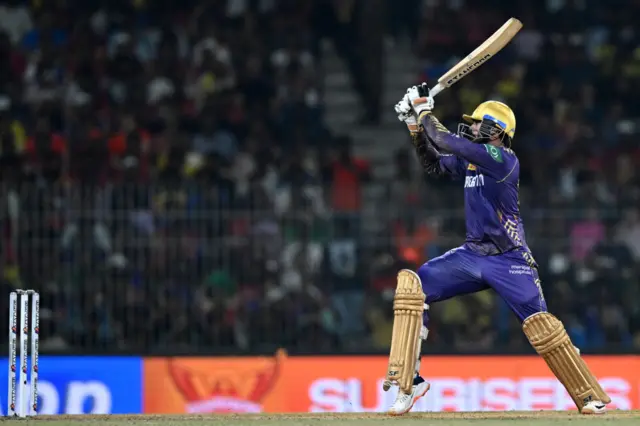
[[202, 268]]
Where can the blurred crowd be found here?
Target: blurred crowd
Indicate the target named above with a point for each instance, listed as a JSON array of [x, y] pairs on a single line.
[[169, 183]]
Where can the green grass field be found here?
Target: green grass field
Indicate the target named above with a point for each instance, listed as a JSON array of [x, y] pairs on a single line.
[[552, 418]]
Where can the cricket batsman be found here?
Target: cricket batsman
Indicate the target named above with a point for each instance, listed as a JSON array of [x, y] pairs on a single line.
[[494, 256]]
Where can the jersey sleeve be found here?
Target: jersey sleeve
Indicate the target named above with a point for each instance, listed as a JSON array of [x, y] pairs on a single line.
[[452, 165], [434, 162], [486, 157]]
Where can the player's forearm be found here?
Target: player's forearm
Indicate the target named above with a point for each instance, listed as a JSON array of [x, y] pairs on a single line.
[[441, 137], [428, 156]]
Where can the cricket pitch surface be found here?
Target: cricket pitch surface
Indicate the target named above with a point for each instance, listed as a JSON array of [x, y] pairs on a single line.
[[511, 418]]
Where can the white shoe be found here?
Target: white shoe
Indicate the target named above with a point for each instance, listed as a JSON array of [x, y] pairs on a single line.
[[594, 407], [404, 403]]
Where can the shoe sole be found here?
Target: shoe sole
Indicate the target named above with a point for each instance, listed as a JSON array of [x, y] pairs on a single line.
[[415, 398], [593, 412]]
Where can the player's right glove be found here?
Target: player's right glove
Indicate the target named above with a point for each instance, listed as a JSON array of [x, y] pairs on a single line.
[[420, 99], [406, 114]]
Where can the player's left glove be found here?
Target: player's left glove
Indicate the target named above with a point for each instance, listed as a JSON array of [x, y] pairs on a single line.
[[406, 114], [420, 100]]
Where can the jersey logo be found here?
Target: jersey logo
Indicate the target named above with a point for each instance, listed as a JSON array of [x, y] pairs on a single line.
[[494, 152], [471, 167], [474, 181]]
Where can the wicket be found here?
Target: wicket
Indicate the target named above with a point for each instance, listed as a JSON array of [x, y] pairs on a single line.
[[18, 396]]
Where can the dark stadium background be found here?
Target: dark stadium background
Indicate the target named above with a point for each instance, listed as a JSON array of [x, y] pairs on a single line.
[[229, 176]]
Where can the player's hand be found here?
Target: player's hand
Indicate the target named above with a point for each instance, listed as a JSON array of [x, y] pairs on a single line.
[[420, 100], [404, 110], [423, 90], [406, 114]]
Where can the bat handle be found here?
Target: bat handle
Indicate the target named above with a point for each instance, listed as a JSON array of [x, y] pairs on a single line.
[[435, 90]]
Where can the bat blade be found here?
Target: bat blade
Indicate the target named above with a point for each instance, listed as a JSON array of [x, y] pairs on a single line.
[[479, 56]]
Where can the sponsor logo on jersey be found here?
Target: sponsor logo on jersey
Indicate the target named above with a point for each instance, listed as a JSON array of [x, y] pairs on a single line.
[[474, 181]]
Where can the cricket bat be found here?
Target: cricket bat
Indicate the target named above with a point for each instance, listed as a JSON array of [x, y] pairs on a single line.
[[482, 54]]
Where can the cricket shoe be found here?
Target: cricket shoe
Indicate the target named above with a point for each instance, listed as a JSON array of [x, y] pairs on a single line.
[[404, 402], [594, 407]]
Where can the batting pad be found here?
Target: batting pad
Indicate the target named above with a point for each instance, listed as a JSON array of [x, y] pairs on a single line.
[[549, 338], [408, 306]]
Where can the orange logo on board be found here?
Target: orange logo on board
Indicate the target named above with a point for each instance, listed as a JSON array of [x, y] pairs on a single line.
[[228, 390]]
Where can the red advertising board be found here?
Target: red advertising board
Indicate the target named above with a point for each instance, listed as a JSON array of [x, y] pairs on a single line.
[[354, 384]]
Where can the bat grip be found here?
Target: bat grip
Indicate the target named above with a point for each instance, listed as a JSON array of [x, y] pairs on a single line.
[[435, 90]]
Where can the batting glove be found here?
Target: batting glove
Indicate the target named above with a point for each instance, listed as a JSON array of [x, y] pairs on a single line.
[[420, 99], [406, 114]]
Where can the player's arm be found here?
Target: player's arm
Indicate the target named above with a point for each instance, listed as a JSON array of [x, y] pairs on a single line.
[[486, 157], [432, 161]]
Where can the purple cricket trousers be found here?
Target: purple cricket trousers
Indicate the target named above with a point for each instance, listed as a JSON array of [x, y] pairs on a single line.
[[462, 271]]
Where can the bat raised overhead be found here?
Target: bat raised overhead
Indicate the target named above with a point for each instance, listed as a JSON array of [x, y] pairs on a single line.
[[482, 54]]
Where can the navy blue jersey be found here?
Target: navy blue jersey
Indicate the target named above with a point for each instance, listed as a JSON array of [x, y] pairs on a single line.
[[491, 176]]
